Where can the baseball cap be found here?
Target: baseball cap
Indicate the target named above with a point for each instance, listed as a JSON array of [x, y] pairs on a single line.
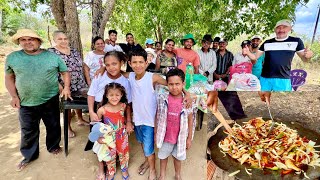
[[245, 42], [284, 22], [223, 40], [256, 37], [216, 39], [149, 41]]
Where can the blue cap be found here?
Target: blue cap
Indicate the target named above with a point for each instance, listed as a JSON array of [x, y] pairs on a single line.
[[96, 133], [149, 41]]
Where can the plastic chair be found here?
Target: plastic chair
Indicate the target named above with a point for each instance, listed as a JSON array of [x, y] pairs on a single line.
[[298, 78]]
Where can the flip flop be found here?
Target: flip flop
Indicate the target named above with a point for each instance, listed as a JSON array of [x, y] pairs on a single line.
[[142, 169], [21, 166]]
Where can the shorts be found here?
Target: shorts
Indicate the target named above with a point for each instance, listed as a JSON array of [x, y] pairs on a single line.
[[275, 84], [145, 136], [168, 149]]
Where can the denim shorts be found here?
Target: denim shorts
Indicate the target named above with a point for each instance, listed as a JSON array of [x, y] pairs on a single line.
[[145, 136], [275, 84], [168, 149]]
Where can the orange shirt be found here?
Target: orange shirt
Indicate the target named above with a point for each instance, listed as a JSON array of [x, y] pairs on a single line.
[[186, 56]]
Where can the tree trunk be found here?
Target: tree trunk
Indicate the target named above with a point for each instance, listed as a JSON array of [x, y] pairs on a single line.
[[96, 19], [1, 24], [72, 24], [57, 8], [108, 8]]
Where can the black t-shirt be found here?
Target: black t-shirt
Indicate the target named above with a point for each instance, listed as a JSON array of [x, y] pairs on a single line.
[[278, 56], [126, 49]]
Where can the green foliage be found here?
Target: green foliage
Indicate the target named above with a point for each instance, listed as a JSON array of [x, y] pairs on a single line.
[[220, 17], [316, 50]]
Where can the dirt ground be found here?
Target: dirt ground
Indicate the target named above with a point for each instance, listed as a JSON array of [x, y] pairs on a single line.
[[78, 165]]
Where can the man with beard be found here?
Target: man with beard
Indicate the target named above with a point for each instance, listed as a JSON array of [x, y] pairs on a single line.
[[279, 53], [257, 65], [186, 55]]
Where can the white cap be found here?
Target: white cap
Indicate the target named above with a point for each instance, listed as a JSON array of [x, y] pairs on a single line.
[[284, 22], [256, 37]]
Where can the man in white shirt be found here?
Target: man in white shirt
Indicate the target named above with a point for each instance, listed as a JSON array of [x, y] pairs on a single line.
[[111, 44], [208, 59]]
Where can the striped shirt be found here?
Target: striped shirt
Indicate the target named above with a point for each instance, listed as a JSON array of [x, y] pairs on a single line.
[[223, 62], [208, 62]]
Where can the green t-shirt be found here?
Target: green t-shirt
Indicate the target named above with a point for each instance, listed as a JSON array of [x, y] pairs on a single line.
[[36, 76]]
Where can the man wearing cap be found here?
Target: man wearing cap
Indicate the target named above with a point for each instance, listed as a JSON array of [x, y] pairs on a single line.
[[31, 78], [215, 44], [224, 61], [240, 57], [229, 99], [279, 52], [208, 59], [257, 65], [149, 43], [186, 55]]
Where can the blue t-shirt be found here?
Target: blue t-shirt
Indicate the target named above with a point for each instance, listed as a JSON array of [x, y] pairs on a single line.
[[257, 67], [279, 55]]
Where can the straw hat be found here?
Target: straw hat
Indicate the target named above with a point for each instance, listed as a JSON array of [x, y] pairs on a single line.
[[25, 32]]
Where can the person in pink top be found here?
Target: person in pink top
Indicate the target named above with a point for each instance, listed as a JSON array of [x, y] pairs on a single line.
[[173, 126], [186, 55]]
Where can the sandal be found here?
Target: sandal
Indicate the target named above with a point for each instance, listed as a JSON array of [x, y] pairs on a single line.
[[143, 169], [21, 166], [125, 177]]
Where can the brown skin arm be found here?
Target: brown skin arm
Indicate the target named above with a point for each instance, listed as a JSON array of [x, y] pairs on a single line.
[[158, 63], [11, 87], [129, 126], [86, 72], [196, 69], [92, 114], [190, 126], [66, 90]]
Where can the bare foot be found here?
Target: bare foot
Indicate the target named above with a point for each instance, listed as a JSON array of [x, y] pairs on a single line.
[[82, 122], [177, 177], [100, 176], [143, 168], [71, 134], [152, 175], [161, 178]]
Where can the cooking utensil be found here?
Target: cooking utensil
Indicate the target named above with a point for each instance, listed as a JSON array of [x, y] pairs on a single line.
[[273, 122], [229, 164]]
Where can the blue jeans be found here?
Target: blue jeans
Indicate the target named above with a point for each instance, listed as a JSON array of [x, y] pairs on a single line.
[[145, 136]]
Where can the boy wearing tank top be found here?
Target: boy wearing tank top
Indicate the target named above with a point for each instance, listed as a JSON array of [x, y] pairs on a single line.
[[144, 104]]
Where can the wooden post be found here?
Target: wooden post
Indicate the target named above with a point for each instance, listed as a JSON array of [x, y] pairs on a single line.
[[316, 26]]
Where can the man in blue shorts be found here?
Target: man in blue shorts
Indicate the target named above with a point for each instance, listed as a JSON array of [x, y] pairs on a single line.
[[279, 53]]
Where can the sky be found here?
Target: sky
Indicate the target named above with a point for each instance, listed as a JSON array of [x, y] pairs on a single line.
[[306, 18]]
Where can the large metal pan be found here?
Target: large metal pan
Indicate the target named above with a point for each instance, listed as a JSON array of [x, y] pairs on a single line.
[[232, 165]]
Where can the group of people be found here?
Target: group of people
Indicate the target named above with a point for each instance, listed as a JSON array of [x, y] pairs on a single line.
[[35, 77], [127, 101]]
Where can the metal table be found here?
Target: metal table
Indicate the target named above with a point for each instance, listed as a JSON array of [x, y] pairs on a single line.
[[76, 103]]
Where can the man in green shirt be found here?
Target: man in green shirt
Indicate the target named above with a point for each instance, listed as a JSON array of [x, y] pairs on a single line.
[[31, 77]]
